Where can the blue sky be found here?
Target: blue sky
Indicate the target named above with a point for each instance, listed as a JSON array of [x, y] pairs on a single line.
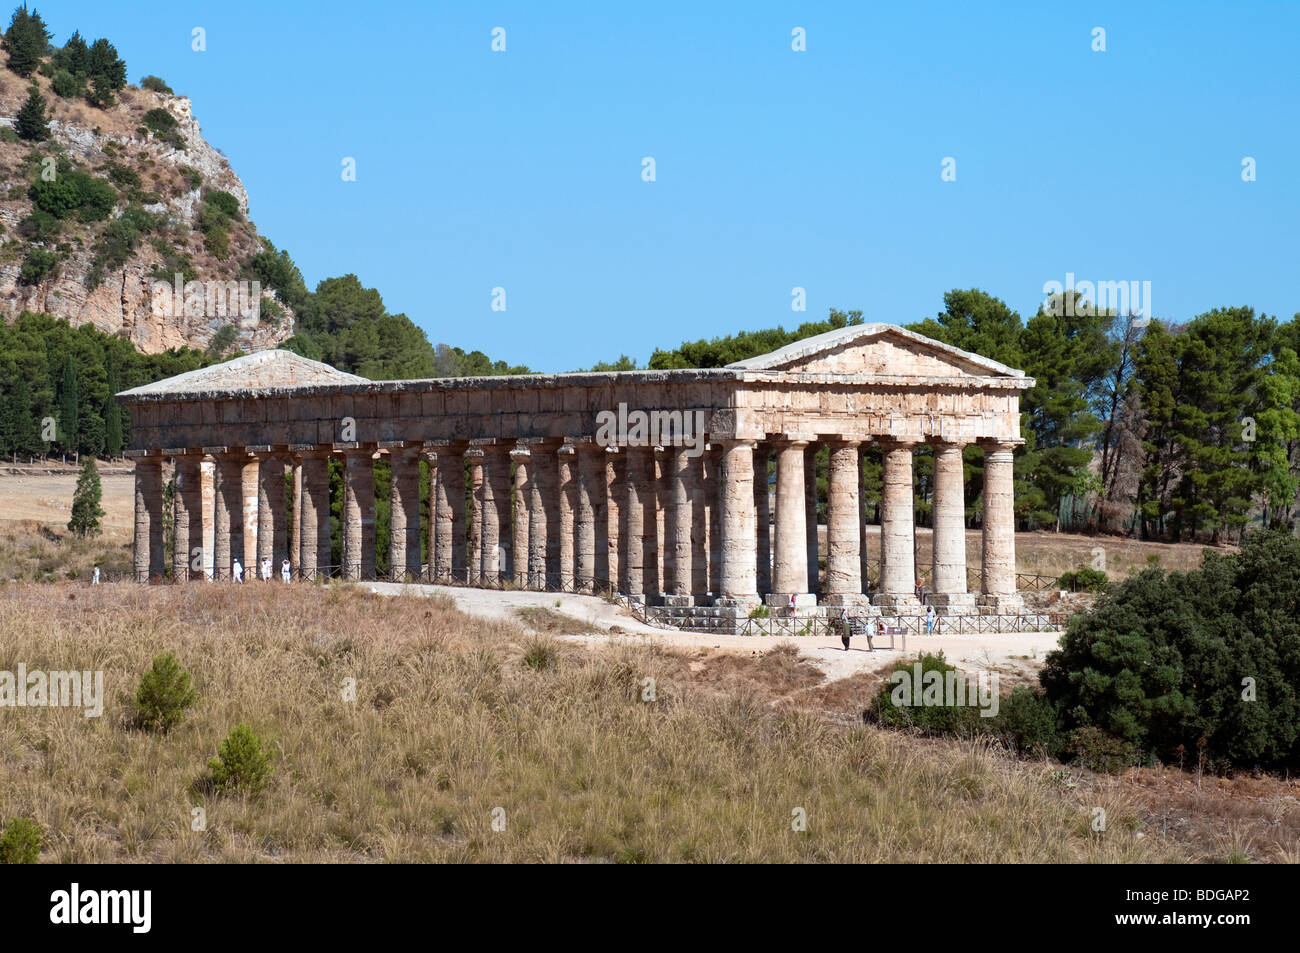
[[775, 169]]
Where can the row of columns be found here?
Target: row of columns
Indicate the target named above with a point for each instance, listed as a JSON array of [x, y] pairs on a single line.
[[661, 522]]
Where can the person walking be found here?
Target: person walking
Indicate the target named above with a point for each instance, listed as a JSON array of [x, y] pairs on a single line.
[[94, 580], [845, 632], [929, 620], [237, 571], [920, 591], [285, 569], [266, 568]]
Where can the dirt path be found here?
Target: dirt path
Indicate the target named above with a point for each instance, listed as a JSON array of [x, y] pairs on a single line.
[[1014, 656]]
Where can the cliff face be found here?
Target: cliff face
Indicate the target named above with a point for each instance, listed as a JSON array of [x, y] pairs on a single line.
[[172, 182]]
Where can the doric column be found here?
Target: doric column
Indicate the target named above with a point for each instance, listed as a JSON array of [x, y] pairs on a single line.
[[998, 590], [187, 517], [862, 519], [638, 471], [519, 537], [496, 511], [683, 498], [948, 543], [448, 514], [738, 572], [843, 529], [314, 524], [404, 513], [567, 495], [810, 490], [663, 495], [790, 573], [713, 488], [474, 523], [227, 516], [148, 555], [248, 509], [615, 463], [591, 475], [763, 521], [295, 522], [699, 529], [543, 515], [271, 512], [651, 515], [359, 513], [600, 516], [896, 586]]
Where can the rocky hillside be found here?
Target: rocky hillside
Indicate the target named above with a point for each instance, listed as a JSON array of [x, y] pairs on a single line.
[[173, 212]]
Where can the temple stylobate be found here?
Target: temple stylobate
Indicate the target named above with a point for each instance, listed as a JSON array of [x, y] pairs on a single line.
[[653, 483]]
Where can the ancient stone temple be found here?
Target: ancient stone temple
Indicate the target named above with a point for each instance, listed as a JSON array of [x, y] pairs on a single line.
[[653, 483]]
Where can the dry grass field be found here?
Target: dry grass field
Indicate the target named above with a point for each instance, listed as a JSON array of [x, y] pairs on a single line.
[[449, 723]]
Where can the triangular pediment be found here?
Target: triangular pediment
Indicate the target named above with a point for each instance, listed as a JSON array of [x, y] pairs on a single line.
[[876, 349], [253, 372]]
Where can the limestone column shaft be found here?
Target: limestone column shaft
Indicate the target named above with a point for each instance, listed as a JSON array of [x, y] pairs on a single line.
[[713, 488], [763, 521], [897, 533], [448, 558], [404, 514], [474, 521], [810, 490], [567, 496], [948, 564], [314, 524], [651, 515], [639, 469], [660, 523], [148, 555], [699, 528], [600, 517], [998, 588], [790, 573], [519, 536], [295, 522], [542, 515], [187, 515], [496, 511], [738, 576], [591, 475], [862, 519], [683, 500], [227, 516], [271, 512], [615, 462], [248, 510], [359, 514], [843, 530]]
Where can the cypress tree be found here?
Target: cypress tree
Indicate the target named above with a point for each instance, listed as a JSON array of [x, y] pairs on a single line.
[[112, 414], [32, 123], [68, 422], [86, 510]]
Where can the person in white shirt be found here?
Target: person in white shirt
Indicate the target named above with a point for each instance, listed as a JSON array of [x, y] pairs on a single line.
[[929, 620], [94, 581], [266, 569], [237, 571], [285, 569]]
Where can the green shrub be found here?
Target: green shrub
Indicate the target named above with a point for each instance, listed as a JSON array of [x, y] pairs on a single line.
[[40, 226], [66, 85], [72, 190], [164, 125], [941, 719], [163, 695], [21, 842], [123, 176], [1028, 722], [193, 175], [1198, 661], [155, 84], [1083, 580], [1094, 749], [242, 765], [226, 203], [38, 266], [8, 134], [118, 241]]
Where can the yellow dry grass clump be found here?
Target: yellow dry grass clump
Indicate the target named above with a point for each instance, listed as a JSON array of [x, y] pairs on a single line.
[[458, 722]]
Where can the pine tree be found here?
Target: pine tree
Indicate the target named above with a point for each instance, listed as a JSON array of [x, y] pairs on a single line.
[[106, 71], [75, 56], [86, 510], [25, 41], [32, 123]]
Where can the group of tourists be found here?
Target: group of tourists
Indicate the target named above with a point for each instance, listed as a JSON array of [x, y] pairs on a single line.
[[264, 570], [852, 626]]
